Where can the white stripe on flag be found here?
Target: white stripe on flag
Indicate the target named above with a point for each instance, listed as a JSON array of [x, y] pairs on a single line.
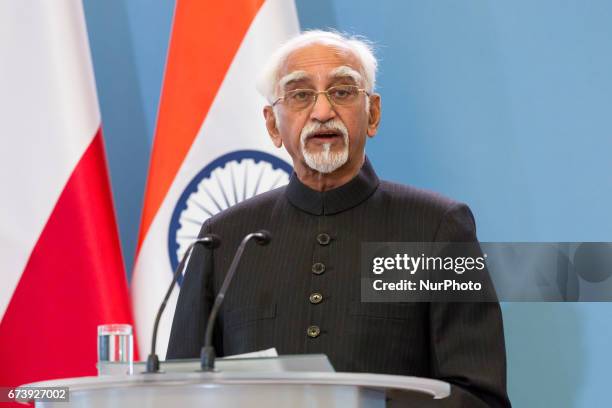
[[49, 117]]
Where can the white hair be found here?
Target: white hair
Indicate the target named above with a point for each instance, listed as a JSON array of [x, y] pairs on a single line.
[[268, 78]]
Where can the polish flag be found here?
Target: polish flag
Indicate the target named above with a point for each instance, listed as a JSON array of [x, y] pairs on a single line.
[[211, 148], [60, 260]]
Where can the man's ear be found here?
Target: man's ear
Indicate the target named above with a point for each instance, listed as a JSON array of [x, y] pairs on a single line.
[[374, 115], [272, 126]]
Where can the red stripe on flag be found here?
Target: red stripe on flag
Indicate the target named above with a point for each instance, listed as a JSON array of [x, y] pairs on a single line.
[[73, 281], [205, 38]]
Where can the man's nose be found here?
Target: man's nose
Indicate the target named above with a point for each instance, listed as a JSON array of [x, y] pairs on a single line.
[[322, 109]]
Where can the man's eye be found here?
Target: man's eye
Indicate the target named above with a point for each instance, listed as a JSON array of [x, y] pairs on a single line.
[[300, 95], [340, 93]]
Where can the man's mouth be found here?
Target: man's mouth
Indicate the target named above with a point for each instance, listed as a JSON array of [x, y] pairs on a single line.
[[325, 135]]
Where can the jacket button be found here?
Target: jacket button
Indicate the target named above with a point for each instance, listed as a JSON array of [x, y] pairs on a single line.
[[318, 268], [316, 298], [323, 239], [313, 331]]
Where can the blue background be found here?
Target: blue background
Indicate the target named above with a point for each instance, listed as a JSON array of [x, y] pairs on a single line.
[[506, 105]]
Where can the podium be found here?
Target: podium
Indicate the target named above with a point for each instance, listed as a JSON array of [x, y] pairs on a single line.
[[295, 381]]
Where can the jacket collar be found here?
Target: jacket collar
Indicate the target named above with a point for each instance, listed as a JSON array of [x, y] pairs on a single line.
[[336, 200]]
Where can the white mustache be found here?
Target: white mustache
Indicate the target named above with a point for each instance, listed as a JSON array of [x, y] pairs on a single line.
[[313, 127]]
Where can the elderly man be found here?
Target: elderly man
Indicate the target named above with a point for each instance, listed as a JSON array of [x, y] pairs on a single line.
[[301, 293]]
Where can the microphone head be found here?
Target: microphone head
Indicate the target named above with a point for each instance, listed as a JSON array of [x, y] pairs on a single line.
[[262, 237], [210, 241]]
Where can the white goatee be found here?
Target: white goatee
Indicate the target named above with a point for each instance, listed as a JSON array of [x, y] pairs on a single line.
[[325, 161]]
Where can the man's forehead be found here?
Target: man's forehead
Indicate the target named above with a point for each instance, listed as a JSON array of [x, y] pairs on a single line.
[[319, 60], [341, 72]]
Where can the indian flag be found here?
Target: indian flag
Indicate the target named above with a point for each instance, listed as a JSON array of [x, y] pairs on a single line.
[[211, 148]]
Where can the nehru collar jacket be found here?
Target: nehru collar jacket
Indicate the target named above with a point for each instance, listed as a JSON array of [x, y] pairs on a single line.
[[336, 200], [301, 292]]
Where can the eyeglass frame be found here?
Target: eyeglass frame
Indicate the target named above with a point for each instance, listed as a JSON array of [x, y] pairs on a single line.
[[317, 93]]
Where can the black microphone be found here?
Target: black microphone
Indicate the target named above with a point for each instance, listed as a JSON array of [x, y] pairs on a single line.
[[209, 241], [207, 355]]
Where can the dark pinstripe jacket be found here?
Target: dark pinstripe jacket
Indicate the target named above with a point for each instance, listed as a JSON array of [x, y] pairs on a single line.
[[268, 303]]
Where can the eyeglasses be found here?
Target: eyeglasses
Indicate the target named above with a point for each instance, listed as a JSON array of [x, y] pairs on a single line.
[[340, 95]]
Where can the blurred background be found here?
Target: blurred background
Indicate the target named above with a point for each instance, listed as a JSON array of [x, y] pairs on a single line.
[[506, 106]]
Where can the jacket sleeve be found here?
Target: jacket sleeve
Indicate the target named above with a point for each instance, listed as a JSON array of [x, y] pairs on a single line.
[[194, 303], [468, 348]]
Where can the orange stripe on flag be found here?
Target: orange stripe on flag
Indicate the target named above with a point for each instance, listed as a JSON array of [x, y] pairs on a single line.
[[205, 37]]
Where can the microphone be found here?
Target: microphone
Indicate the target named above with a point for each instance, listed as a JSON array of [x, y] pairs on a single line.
[[210, 241], [208, 355]]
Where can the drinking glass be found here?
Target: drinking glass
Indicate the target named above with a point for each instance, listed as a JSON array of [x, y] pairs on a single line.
[[115, 349]]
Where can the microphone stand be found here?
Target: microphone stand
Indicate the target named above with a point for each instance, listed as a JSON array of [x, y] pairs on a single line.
[[207, 354], [209, 241]]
